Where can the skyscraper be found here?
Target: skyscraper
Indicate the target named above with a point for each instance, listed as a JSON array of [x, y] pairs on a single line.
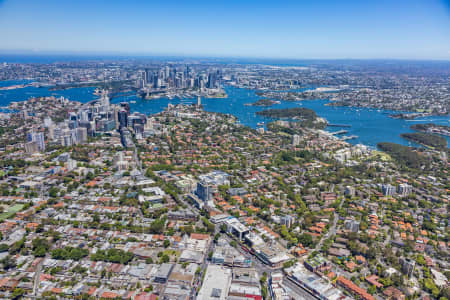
[[147, 77], [123, 118], [167, 72], [39, 139], [211, 81], [104, 100], [156, 81], [204, 191], [81, 134], [51, 131]]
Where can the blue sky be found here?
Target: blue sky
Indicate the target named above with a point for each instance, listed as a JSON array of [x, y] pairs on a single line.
[[409, 29]]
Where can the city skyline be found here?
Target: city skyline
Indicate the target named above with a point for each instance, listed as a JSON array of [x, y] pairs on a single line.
[[289, 30]]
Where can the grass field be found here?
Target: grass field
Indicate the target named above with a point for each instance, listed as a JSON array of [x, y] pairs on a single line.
[[10, 211], [170, 252], [381, 155]]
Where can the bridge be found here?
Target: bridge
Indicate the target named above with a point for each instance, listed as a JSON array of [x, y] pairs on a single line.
[[122, 94]]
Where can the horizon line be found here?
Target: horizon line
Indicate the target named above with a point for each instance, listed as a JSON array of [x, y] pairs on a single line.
[[204, 56]]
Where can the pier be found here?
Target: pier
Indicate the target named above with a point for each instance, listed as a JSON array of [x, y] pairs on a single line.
[[339, 125], [339, 132]]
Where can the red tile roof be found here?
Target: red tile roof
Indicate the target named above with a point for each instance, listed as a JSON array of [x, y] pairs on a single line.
[[349, 285], [199, 236]]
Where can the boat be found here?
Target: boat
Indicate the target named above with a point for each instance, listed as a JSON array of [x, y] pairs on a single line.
[[132, 101]]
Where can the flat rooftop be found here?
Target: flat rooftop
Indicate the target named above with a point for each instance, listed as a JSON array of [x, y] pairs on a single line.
[[216, 283]]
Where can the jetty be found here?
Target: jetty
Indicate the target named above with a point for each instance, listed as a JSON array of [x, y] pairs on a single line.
[[339, 125], [339, 132]]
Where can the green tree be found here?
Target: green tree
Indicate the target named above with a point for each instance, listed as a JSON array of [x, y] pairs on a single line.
[[40, 247], [8, 263], [53, 192], [17, 293], [166, 243], [372, 289], [165, 258]]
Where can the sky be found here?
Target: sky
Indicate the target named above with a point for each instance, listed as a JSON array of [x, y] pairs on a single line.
[[359, 29]]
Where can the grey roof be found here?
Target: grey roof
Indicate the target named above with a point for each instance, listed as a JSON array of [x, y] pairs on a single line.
[[164, 271]]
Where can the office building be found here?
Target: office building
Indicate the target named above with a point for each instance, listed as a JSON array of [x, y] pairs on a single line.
[[123, 118], [81, 135], [236, 228], [204, 191]]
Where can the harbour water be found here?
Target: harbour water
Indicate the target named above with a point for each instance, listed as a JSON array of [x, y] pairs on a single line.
[[371, 126], [84, 94]]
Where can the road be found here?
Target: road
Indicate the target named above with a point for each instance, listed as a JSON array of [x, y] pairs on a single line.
[[332, 230], [37, 276], [137, 160]]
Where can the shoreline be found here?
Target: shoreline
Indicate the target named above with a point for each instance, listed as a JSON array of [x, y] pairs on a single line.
[[391, 115]]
